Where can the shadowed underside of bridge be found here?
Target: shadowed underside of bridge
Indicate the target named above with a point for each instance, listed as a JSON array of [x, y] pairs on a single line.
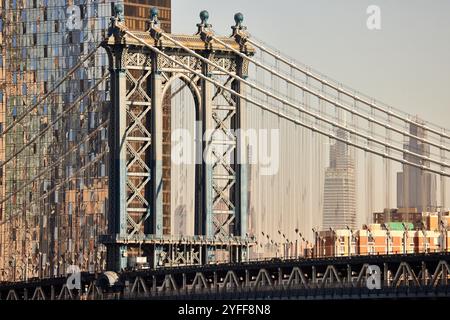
[[403, 276]]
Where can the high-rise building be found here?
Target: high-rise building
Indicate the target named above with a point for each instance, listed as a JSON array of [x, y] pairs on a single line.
[[2, 121], [137, 13], [339, 205], [55, 187], [415, 187]]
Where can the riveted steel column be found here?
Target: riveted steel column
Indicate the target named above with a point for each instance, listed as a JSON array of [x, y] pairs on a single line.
[[241, 164], [117, 254], [241, 191], [157, 155], [207, 160]]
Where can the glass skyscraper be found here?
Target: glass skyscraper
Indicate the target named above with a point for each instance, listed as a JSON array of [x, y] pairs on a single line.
[[54, 153]]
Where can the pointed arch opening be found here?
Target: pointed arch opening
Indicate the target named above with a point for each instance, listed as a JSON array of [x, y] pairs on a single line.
[[182, 141]]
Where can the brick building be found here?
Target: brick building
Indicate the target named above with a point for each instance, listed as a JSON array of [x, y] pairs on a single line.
[[430, 235]]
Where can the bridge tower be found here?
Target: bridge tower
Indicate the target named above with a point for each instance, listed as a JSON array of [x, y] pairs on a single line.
[[140, 80]]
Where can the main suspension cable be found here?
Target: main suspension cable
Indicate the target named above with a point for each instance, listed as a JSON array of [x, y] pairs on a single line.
[[299, 108], [72, 106], [156, 50], [58, 84], [335, 103], [345, 92], [58, 185], [54, 164]]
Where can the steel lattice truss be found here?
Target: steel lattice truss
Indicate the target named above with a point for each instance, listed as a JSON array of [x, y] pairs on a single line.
[[138, 141], [139, 138], [408, 276], [224, 142]]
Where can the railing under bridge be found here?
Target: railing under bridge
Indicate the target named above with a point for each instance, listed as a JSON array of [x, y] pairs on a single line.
[[413, 275]]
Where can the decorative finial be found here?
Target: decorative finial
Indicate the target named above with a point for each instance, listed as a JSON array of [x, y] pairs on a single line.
[[118, 11], [117, 20], [154, 12], [239, 31], [204, 28], [154, 26], [204, 16], [238, 18]]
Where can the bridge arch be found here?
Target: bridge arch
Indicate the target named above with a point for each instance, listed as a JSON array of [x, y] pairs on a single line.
[[182, 145], [192, 88]]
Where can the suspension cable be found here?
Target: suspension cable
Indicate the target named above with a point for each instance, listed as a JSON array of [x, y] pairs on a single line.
[[54, 164], [58, 185], [299, 108], [335, 103], [72, 106], [58, 84], [345, 92], [378, 135], [156, 50]]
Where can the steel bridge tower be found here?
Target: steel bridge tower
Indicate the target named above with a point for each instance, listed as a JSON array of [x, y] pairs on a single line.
[[140, 80]]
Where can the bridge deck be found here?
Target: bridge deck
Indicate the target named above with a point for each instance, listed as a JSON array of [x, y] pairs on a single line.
[[413, 275]]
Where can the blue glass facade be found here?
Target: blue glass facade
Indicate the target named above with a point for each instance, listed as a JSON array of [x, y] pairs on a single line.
[[55, 186]]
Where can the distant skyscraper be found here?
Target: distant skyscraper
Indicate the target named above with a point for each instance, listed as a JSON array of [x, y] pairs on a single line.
[[416, 188], [339, 207]]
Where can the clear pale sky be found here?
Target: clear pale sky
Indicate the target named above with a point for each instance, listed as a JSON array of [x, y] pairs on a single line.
[[406, 64]]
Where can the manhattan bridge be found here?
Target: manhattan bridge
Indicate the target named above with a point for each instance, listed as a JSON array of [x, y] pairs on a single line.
[[220, 85]]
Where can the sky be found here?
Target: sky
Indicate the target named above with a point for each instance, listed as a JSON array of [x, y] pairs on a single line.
[[406, 63]]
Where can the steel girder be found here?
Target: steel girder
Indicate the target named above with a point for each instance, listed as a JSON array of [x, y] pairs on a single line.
[[418, 278]]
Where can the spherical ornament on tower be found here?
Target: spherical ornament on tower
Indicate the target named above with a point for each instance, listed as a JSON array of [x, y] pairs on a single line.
[[118, 8], [204, 16], [154, 12], [238, 18]]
